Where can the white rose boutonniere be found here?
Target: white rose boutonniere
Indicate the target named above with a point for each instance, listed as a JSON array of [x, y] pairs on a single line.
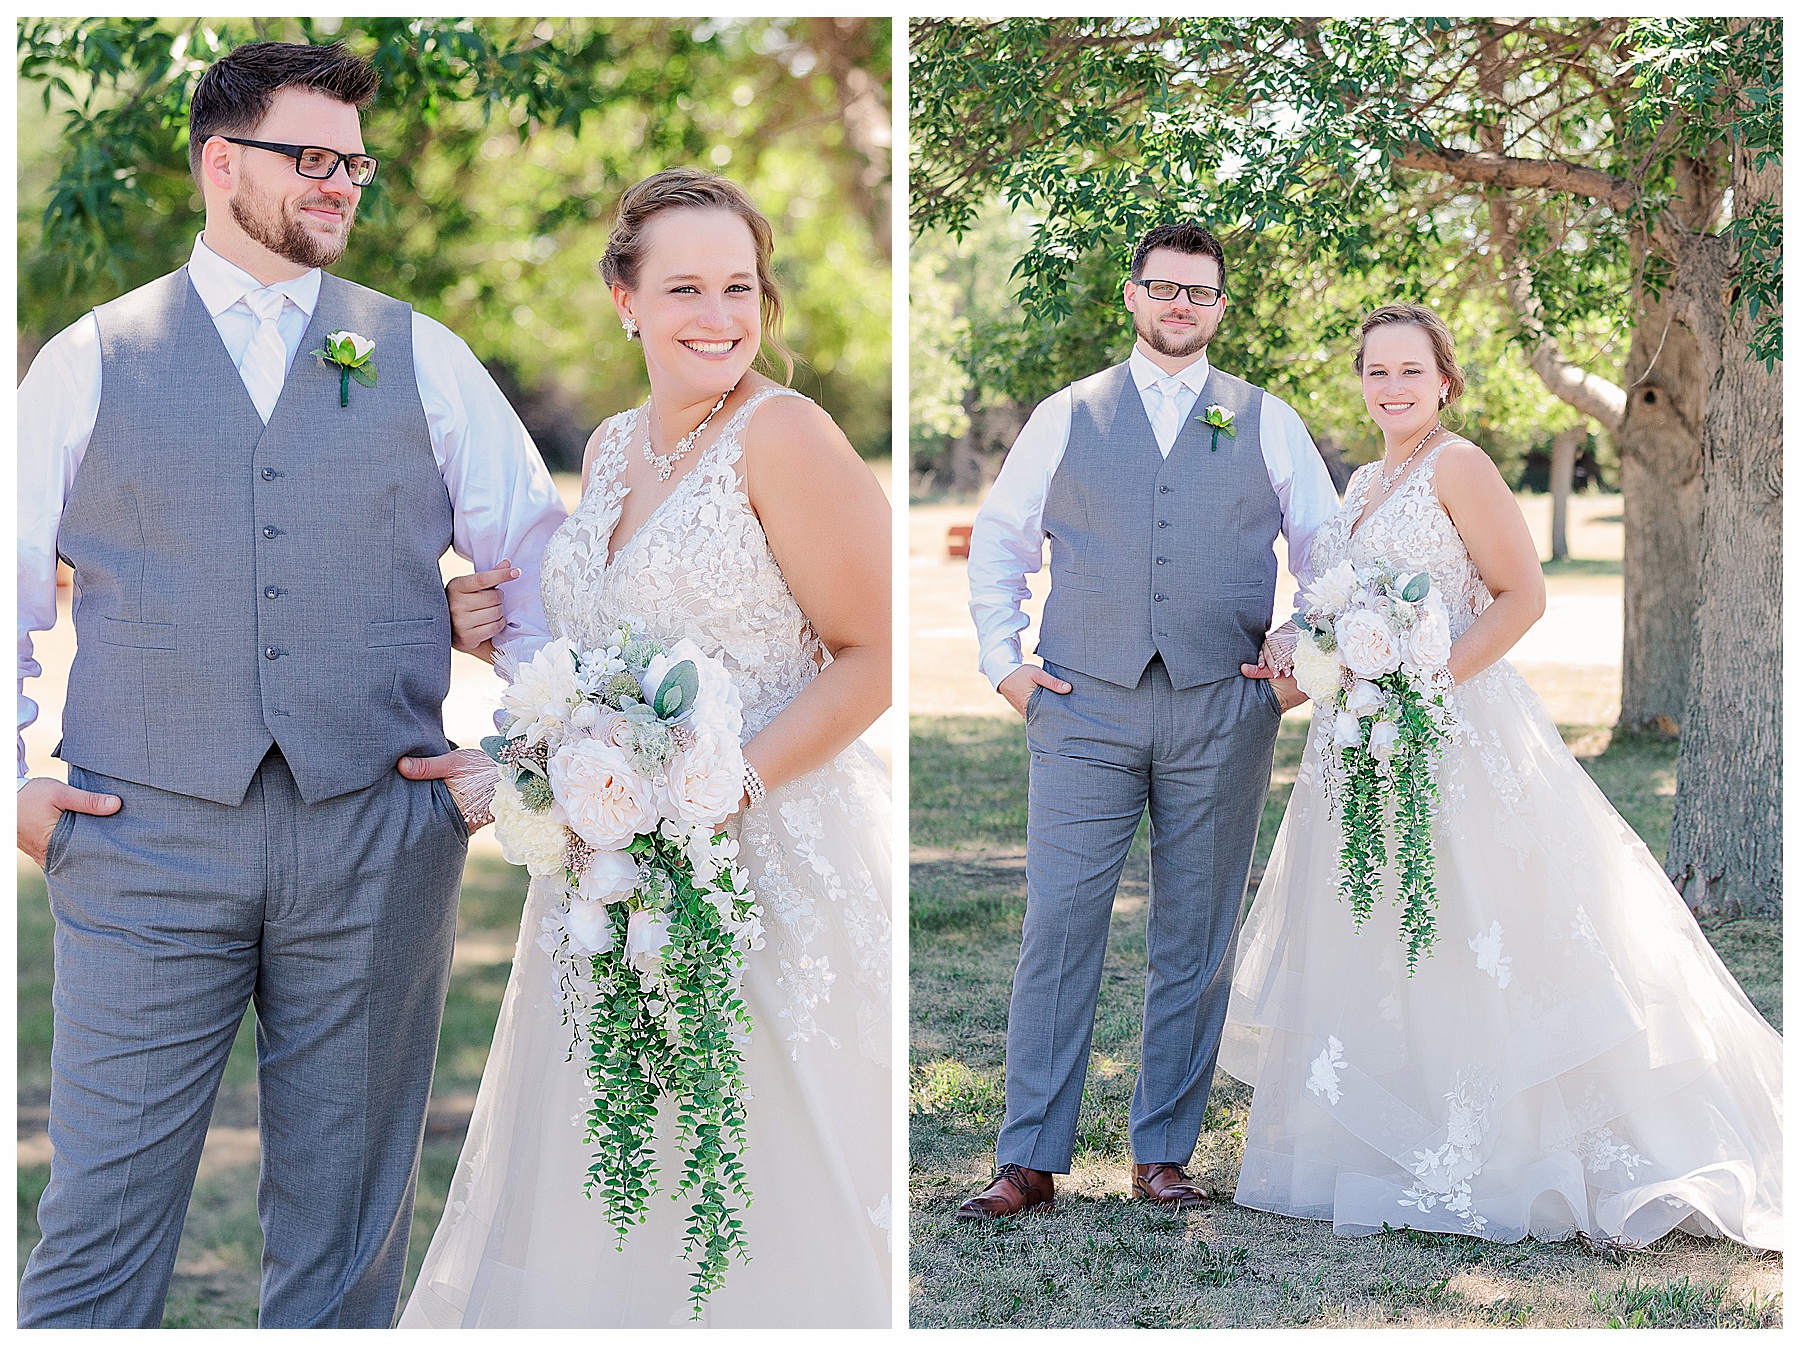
[[351, 354], [1219, 418]]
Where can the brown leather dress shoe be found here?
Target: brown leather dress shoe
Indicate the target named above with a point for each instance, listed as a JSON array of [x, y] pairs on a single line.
[[1167, 1185], [1014, 1189]]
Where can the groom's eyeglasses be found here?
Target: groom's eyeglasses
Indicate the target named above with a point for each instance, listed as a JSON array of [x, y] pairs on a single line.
[[1203, 295], [313, 161]]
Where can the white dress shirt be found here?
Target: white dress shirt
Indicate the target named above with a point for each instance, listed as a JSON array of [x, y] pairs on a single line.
[[503, 502], [1008, 541]]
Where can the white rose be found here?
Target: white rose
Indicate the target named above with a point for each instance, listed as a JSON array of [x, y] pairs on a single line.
[[611, 876], [1332, 591], [1384, 735], [706, 780], [1428, 643], [537, 840], [646, 937], [1364, 699], [545, 692], [361, 345], [590, 926], [1368, 644], [1348, 732], [586, 715], [606, 801], [1319, 673]]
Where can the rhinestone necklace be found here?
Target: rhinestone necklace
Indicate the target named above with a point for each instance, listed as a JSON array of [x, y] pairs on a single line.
[[664, 463], [1389, 478]]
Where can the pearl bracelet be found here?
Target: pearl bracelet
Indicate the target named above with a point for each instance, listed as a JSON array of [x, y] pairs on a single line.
[[753, 785]]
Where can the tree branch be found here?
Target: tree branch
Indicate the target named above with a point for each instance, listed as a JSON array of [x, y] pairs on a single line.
[[1500, 170]]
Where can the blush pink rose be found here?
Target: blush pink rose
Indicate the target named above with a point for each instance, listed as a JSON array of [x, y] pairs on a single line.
[[607, 801]]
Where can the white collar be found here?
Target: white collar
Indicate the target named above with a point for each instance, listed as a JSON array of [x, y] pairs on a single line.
[[220, 283], [1145, 371]]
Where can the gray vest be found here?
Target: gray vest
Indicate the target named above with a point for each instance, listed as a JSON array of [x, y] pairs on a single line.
[[240, 585], [1152, 556]]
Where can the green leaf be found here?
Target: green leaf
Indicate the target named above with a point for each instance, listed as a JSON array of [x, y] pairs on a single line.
[[680, 689], [1416, 588], [364, 374], [493, 744]]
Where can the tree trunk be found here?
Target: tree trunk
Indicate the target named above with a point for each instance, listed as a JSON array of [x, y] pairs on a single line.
[[1658, 439], [1725, 840], [1562, 476]]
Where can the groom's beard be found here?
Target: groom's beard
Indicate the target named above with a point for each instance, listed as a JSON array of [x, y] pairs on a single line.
[[1164, 344], [282, 233]]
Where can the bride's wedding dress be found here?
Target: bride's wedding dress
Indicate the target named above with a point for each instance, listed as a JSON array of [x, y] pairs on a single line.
[[1572, 1055], [520, 1244]]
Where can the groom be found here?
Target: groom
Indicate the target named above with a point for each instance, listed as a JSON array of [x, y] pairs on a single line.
[[1160, 484], [261, 633]]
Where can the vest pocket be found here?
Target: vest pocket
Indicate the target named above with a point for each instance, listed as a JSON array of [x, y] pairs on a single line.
[[408, 631], [137, 635], [1069, 579]]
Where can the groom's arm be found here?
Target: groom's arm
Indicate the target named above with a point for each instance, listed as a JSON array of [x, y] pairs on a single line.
[[1304, 488], [504, 504], [1007, 543]]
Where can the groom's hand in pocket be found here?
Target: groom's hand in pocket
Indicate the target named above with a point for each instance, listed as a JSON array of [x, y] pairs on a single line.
[[1287, 691], [42, 802], [1016, 686], [471, 775]]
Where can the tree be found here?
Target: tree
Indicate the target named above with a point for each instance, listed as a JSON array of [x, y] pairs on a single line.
[[1592, 160], [503, 143]]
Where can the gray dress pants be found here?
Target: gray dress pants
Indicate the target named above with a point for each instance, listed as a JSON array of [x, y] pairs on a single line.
[[1198, 759], [337, 920]]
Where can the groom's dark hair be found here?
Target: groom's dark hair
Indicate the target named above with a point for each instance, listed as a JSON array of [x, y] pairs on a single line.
[[1194, 239], [234, 94]]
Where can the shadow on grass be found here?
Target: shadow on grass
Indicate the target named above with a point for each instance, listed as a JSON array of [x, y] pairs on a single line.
[[1102, 1260]]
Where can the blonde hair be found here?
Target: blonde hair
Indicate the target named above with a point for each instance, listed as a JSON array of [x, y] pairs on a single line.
[[690, 189], [1443, 348]]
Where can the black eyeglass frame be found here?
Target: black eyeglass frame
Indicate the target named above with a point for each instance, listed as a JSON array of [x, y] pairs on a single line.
[[295, 151], [1195, 293]]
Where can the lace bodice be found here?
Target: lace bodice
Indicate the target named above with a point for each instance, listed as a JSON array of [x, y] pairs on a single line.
[[1409, 529], [698, 567]]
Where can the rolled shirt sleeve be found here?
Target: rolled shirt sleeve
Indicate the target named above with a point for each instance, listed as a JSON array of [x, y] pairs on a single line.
[[59, 401], [504, 503], [1007, 543]]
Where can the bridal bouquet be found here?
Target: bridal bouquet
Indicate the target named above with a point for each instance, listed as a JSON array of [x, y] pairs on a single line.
[[1374, 656], [617, 767]]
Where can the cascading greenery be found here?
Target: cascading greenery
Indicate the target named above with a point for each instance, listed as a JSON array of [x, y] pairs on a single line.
[[679, 1036]]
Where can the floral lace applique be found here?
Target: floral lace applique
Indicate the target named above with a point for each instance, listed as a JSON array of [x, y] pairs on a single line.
[[1488, 959], [1324, 1078], [1599, 1148], [700, 566], [1446, 1174]]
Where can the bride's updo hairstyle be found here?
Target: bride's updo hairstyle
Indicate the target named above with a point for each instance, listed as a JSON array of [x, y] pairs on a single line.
[[1443, 349], [690, 189]]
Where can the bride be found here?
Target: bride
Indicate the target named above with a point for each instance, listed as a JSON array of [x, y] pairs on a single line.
[[731, 511], [1572, 1055]]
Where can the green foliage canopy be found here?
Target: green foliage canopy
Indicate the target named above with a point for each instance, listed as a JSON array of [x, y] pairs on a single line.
[[504, 143]]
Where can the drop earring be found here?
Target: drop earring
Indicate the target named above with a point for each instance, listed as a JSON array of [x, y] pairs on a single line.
[[630, 325], [1443, 396]]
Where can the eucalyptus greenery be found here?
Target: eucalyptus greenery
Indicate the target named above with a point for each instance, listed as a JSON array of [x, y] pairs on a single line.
[[638, 1053]]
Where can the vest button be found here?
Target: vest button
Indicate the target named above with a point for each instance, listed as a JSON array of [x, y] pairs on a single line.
[[271, 653], [271, 531], [1159, 598], [1163, 489], [268, 474], [1162, 523], [271, 591], [1161, 561]]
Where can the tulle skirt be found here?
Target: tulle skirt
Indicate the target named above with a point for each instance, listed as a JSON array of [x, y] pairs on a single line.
[[1572, 1055], [520, 1245]]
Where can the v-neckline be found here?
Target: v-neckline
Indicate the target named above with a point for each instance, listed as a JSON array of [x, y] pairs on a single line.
[[624, 491], [1366, 518]]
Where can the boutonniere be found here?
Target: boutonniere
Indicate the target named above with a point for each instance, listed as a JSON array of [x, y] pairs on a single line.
[[350, 353], [1219, 419]]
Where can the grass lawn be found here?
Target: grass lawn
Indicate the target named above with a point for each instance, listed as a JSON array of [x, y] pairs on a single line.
[[1102, 1260], [216, 1270]]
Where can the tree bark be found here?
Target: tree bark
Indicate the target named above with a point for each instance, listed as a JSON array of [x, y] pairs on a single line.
[[1562, 477], [1725, 841]]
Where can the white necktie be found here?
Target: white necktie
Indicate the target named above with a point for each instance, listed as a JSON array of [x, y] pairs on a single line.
[[264, 367], [1167, 423]]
